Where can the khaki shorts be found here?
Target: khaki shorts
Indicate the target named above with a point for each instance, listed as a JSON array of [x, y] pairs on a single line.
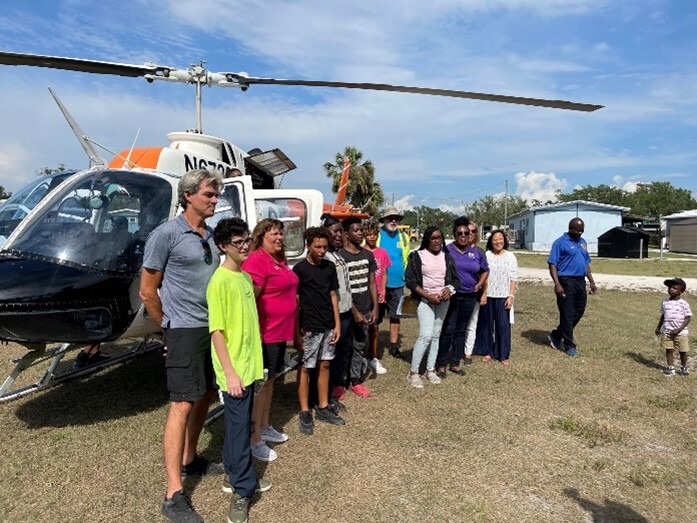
[[680, 343]]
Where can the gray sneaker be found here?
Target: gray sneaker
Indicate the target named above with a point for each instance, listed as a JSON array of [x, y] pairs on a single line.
[[179, 509], [669, 371], [263, 485], [683, 371], [415, 381], [239, 508], [327, 415], [432, 377]]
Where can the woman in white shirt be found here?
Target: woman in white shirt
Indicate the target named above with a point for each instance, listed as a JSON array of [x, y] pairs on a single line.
[[432, 278], [497, 315]]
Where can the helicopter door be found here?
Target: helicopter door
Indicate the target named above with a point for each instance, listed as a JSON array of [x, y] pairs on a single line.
[[297, 209], [233, 201]]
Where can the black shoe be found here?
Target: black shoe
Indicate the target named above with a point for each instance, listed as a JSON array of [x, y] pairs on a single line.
[[328, 416], [457, 371], [200, 466], [337, 406], [96, 358], [307, 426], [396, 353], [441, 374], [179, 509], [82, 360], [467, 361]]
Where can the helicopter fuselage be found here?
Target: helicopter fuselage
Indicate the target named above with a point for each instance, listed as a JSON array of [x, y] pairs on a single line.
[[70, 271]]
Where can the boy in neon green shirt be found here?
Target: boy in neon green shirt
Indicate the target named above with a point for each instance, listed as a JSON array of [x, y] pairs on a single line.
[[237, 360]]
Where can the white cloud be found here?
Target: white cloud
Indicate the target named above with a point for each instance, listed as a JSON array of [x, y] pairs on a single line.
[[404, 203], [538, 186]]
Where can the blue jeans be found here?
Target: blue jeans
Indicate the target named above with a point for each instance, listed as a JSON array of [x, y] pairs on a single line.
[[237, 453], [451, 347], [430, 323]]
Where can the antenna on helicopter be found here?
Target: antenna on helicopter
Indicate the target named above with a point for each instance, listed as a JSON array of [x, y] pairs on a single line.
[[130, 152]]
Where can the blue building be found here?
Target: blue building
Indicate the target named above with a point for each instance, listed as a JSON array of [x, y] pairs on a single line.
[[538, 227]]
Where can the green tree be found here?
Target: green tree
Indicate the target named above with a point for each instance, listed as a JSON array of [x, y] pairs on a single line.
[[599, 194], [363, 191], [50, 170], [492, 210], [4, 195], [659, 199], [650, 199]]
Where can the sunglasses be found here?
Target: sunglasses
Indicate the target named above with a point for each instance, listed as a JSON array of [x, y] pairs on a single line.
[[237, 244], [207, 254], [462, 233]]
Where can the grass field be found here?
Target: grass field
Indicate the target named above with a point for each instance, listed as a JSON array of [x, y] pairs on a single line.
[[653, 266], [603, 437]]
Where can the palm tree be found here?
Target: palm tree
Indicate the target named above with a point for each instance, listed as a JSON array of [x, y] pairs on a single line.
[[363, 191]]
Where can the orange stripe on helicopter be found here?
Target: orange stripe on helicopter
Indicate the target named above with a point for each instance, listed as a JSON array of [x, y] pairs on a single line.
[[145, 158]]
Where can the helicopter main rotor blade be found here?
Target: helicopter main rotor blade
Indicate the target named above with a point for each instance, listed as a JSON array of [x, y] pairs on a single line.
[[199, 75], [540, 102], [78, 64]]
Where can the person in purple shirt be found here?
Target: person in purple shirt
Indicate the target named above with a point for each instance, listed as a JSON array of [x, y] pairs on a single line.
[[472, 271]]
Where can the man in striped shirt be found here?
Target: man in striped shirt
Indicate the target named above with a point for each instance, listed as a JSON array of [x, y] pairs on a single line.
[[361, 268]]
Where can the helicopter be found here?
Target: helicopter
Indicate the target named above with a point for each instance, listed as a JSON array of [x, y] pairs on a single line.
[[70, 270]]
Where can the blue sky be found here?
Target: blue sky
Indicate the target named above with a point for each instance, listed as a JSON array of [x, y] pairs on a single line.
[[637, 60]]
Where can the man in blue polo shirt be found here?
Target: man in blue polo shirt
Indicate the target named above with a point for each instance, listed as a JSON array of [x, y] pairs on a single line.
[[569, 265]]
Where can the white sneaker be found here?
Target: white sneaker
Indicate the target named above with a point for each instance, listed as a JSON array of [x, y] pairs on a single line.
[[377, 366], [415, 381], [432, 377], [263, 453], [271, 435]]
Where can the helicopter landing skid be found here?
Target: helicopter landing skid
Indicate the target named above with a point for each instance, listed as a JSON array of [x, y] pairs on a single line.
[[54, 356]]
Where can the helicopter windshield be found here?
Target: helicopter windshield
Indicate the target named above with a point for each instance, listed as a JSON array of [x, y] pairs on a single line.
[[16, 208], [100, 221]]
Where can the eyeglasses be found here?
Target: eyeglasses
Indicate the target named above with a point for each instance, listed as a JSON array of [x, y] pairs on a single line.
[[207, 254], [237, 244], [462, 233]]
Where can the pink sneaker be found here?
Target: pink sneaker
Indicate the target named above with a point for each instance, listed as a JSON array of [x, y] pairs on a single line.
[[360, 390], [339, 392]]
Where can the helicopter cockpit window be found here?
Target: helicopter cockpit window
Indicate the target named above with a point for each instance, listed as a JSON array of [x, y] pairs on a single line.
[[100, 221], [292, 212], [16, 208]]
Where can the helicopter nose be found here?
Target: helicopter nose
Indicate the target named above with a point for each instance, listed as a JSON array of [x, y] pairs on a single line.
[[44, 301]]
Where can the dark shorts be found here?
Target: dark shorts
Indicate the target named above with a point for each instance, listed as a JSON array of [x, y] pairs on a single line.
[[188, 363], [382, 309], [274, 357], [392, 297]]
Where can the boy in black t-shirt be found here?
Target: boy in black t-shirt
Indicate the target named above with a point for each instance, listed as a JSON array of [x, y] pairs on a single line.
[[318, 326], [361, 268]]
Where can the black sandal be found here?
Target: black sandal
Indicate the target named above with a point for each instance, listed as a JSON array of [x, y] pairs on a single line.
[[457, 371]]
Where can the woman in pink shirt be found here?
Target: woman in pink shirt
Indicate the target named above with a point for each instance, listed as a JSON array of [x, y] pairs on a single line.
[[275, 288], [431, 276]]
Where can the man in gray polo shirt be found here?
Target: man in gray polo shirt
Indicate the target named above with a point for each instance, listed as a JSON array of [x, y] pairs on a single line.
[[180, 257]]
